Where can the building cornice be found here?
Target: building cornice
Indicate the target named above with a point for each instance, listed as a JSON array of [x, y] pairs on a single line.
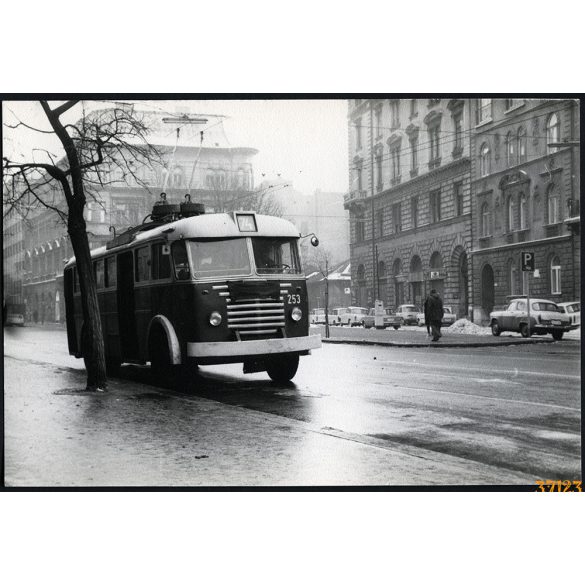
[[522, 244]]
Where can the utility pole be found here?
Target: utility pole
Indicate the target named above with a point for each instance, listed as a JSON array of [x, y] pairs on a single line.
[[374, 266], [326, 298]]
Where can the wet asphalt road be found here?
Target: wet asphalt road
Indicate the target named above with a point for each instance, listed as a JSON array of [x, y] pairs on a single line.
[[353, 415]]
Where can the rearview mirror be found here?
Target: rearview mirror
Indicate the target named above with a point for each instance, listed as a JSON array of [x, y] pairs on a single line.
[[314, 241]]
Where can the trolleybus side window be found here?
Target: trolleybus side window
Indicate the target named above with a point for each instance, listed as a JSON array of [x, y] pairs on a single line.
[[276, 255], [181, 261], [142, 264], [161, 267], [111, 271], [99, 273]]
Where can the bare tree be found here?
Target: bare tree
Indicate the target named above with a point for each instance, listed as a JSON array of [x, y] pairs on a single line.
[[236, 199], [97, 145]]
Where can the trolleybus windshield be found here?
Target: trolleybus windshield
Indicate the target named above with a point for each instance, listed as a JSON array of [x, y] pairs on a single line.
[[276, 255], [221, 257]]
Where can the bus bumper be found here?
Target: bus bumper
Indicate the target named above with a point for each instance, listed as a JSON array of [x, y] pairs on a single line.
[[253, 347]]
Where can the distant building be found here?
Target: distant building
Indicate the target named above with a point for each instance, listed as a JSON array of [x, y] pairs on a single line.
[[338, 282], [35, 250], [409, 201], [525, 198]]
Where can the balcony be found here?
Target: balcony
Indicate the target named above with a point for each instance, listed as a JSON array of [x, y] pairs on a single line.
[[354, 196]]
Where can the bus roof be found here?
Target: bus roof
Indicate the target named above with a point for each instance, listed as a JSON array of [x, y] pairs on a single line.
[[209, 225]]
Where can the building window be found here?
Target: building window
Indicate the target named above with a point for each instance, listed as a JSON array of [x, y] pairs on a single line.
[[523, 212], [413, 153], [513, 103], [555, 276], [434, 138], [379, 181], [361, 272], [511, 209], [397, 218], [378, 113], [394, 114], [395, 154], [485, 219], [358, 133], [553, 205], [458, 128], [360, 227], [359, 172], [381, 269], [458, 198], [413, 110], [484, 110], [435, 204], [521, 144], [510, 150], [484, 160], [553, 133], [414, 211], [513, 277], [380, 222]]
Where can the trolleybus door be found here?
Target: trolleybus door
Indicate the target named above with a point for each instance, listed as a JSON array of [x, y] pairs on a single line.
[[126, 316]]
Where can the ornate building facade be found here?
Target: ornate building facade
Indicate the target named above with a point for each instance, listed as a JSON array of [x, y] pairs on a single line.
[[525, 194], [409, 201]]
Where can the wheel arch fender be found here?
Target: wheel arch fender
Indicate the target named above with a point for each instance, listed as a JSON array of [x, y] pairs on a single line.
[[171, 335]]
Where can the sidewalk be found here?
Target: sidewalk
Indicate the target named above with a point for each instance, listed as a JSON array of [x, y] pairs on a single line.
[[412, 336]]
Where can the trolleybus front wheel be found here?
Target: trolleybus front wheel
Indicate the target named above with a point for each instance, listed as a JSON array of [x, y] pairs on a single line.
[[283, 368]]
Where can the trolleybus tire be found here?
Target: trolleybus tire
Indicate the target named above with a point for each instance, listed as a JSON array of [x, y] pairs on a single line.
[[283, 368], [160, 358]]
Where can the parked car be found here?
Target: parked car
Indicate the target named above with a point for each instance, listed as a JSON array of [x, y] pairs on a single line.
[[352, 316], [317, 316], [545, 317], [448, 317], [408, 314], [390, 319], [335, 316], [573, 310]]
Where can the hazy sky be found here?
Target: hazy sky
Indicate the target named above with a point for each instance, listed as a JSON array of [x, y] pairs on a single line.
[[305, 141]]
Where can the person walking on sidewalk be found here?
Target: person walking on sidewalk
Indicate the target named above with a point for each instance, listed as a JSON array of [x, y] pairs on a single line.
[[434, 313]]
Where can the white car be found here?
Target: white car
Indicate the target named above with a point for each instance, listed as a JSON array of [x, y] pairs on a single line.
[[317, 316], [448, 317], [408, 314], [352, 316], [573, 310]]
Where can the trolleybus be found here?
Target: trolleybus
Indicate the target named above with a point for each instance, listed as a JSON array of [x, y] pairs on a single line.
[[194, 288]]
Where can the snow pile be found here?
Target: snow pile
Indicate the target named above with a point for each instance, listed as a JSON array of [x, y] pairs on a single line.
[[468, 328]]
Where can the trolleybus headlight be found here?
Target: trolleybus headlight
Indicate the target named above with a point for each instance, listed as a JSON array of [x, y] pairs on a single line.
[[296, 314], [215, 318]]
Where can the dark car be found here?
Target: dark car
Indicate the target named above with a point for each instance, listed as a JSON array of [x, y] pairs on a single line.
[[545, 317]]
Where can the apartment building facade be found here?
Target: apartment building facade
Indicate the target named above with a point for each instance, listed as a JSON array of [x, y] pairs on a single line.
[[410, 201], [525, 197]]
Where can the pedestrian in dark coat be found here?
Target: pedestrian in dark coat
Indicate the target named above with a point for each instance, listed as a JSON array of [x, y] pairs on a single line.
[[434, 313]]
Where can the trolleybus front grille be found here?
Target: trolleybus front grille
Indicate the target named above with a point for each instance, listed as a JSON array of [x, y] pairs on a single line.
[[255, 316]]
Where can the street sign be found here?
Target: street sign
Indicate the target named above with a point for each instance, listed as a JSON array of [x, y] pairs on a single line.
[[527, 261]]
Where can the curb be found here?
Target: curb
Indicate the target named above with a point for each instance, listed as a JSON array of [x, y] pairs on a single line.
[[501, 343]]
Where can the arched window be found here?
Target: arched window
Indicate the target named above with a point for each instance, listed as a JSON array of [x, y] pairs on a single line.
[[555, 276], [553, 205], [360, 227], [510, 161], [523, 212], [521, 144], [511, 212], [553, 132], [484, 160], [485, 220]]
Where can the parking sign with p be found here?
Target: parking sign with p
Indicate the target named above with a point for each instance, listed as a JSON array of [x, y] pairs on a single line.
[[528, 261]]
